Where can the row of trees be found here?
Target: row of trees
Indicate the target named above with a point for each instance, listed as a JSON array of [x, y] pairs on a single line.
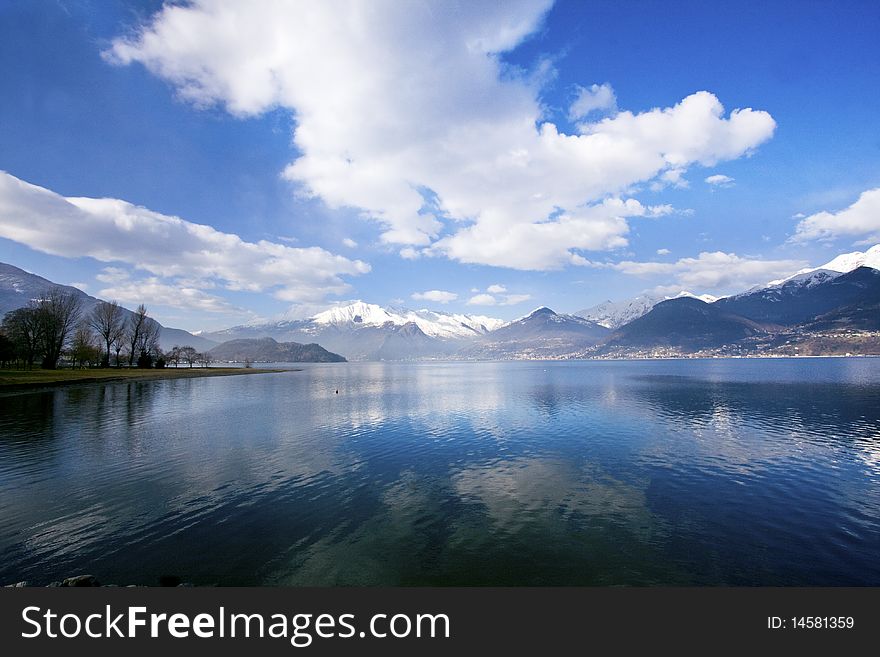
[[55, 326]]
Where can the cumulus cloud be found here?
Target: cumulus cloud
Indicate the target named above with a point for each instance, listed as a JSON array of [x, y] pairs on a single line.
[[496, 289], [663, 252], [713, 271], [547, 245], [350, 243], [596, 97], [719, 180], [862, 218], [169, 248], [438, 296], [408, 114]]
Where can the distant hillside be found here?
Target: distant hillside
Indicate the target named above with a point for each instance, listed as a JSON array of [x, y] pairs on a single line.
[[541, 334], [18, 288], [685, 323], [409, 342], [267, 350]]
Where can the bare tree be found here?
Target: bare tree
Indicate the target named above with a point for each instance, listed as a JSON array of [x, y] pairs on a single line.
[[83, 349], [174, 356], [205, 359], [189, 354], [58, 313], [23, 328], [148, 343], [118, 346], [108, 322], [133, 335]]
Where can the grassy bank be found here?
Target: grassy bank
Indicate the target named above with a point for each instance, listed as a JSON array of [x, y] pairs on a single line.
[[37, 378]]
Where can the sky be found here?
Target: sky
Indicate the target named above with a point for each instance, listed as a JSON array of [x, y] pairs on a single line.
[[227, 162]]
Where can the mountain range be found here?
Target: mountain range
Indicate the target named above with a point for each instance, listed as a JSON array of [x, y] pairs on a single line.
[[834, 308]]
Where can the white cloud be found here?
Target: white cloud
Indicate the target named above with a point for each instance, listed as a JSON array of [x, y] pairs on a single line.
[[350, 243], [438, 296], [548, 245], [496, 289], [80, 286], [407, 113], [663, 252], [482, 300], [719, 180], [713, 272], [409, 253], [170, 248], [862, 218], [596, 97]]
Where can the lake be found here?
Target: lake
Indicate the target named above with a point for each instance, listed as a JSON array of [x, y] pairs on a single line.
[[690, 472]]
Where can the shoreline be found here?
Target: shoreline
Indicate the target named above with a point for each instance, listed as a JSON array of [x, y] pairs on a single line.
[[30, 380]]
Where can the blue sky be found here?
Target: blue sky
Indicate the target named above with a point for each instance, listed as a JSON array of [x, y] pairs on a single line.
[[379, 151]]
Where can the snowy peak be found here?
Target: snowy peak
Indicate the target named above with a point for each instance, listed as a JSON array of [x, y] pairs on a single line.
[[365, 314], [848, 262], [613, 315], [431, 322], [842, 264]]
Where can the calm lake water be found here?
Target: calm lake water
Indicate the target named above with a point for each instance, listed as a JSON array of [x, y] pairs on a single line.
[[736, 472]]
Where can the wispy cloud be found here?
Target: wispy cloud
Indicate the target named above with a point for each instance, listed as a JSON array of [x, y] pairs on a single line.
[[595, 98], [719, 180]]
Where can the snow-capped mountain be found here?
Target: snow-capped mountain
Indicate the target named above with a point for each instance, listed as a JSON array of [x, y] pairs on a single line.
[[842, 264], [614, 314], [447, 326], [366, 331], [847, 262]]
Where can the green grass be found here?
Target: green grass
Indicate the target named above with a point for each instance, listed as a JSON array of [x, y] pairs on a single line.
[[37, 378]]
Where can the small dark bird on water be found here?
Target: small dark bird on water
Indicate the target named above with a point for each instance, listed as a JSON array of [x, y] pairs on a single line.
[[337, 391]]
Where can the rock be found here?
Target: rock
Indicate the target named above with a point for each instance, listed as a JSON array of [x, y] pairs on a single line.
[[81, 580]]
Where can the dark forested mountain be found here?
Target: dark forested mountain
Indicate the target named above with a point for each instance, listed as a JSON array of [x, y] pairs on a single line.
[[268, 350], [686, 323], [18, 288], [801, 300]]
